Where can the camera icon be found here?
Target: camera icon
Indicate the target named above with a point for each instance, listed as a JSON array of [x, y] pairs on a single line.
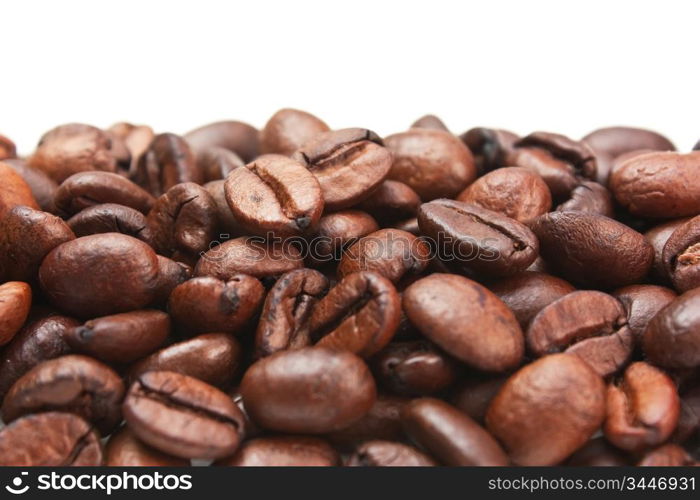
[[16, 487]]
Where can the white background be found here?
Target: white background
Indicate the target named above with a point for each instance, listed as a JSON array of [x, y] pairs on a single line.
[[527, 65]]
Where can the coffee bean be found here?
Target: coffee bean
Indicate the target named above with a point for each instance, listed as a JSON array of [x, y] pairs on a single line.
[[86, 189], [206, 304], [168, 161], [435, 164], [381, 422], [7, 148], [274, 194], [349, 164], [475, 394], [124, 450], [491, 147], [288, 130], [110, 218], [681, 256], [451, 436], [589, 197], [136, 139], [391, 201], [667, 455], [100, 275], [657, 238], [338, 230], [235, 136], [73, 383], [689, 416], [598, 453], [592, 250], [615, 141], [42, 187], [15, 301], [50, 439], [547, 410], [216, 163], [672, 338], [226, 222], [430, 121], [453, 312], [15, 191], [388, 454], [170, 275], [183, 416], [283, 451], [213, 358], [311, 390], [642, 303], [121, 338]]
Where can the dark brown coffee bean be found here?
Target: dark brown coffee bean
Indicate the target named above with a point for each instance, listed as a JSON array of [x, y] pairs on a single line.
[[593, 250], [170, 275], [7, 148], [589, 197], [183, 416], [435, 164], [430, 121], [216, 163], [283, 451], [453, 312], [477, 240], [598, 453], [207, 304], [15, 301], [528, 292], [615, 141], [589, 324], [310, 391], [235, 136], [349, 164], [658, 185], [121, 338], [213, 358], [657, 238], [124, 450], [15, 191], [136, 139], [288, 130], [389, 252], [518, 193], [50, 439], [409, 225], [388, 454], [642, 303], [100, 275], [547, 410], [672, 338], [183, 222], [475, 394], [391, 201], [42, 186], [415, 368], [73, 383], [87, 189], [450, 435], [287, 309], [110, 218], [642, 408], [72, 148], [681, 256], [667, 455], [226, 222], [689, 416], [26, 237], [382, 421], [360, 314], [491, 147], [167, 162], [274, 194], [338, 230]]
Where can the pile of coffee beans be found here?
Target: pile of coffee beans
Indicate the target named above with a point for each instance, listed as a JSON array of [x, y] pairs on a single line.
[[301, 295]]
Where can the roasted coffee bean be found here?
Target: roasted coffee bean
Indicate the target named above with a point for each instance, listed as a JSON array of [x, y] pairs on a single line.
[[274, 194], [389, 252], [50, 439], [110, 218], [668, 455], [598, 453], [657, 238], [453, 312], [288, 307], [213, 358], [216, 163], [121, 338], [527, 293], [435, 164], [168, 161], [642, 408], [415, 368], [249, 255], [593, 250], [42, 186], [124, 450], [207, 304], [26, 237], [589, 324], [382, 421], [474, 395], [73, 383], [312, 390], [388, 454], [235, 136], [477, 240], [360, 314], [430, 121], [450, 435], [288, 130], [338, 230], [136, 139], [518, 193], [283, 451], [7, 148], [100, 275], [226, 223], [642, 303], [689, 416], [658, 184], [15, 302], [681, 256], [547, 410], [349, 164], [391, 201], [183, 416], [183, 222], [491, 147], [589, 197], [409, 225], [672, 338], [72, 148], [86, 189], [170, 275], [15, 191]]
